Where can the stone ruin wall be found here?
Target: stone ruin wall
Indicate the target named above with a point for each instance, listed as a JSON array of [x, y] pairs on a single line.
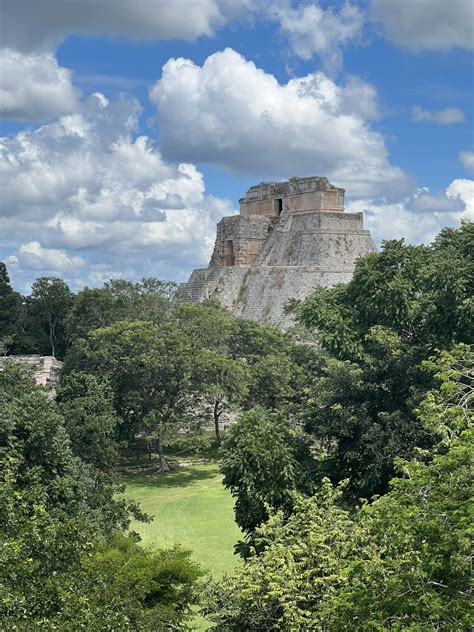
[[46, 369], [239, 240]]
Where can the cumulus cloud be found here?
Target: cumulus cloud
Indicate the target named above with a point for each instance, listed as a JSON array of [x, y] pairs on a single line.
[[84, 188], [313, 30], [418, 217], [34, 87], [467, 159], [463, 188], [232, 114], [448, 116], [33, 25], [427, 24], [32, 255]]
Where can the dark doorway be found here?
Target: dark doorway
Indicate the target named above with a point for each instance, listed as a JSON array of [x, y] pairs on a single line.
[[279, 206], [229, 257]]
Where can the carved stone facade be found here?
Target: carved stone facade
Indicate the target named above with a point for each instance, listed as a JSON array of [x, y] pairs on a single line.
[[297, 195], [289, 238]]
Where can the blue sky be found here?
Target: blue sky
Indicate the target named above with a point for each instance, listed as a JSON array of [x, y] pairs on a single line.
[[118, 161]]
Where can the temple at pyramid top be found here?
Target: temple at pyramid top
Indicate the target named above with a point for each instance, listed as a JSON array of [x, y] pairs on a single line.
[[297, 195]]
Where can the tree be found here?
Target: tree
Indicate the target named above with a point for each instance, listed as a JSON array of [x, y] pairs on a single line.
[[148, 367], [65, 562], [207, 325], [91, 422], [92, 309], [264, 462], [271, 381], [10, 306], [423, 293], [150, 299], [220, 381], [34, 440], [402, 306], [252, 340], [401, 562], [144, 590], [297, 562], [362, 415], [279, 368], [118, 300], [48, 307]]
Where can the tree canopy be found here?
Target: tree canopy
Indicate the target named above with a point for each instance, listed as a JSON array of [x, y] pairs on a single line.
[[401, 562]]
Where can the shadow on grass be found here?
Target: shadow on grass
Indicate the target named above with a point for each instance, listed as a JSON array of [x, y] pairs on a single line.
[[137, 454], [180, 477]]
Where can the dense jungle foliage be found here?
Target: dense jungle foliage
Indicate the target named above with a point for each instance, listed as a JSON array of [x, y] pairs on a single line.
[[346, 443]]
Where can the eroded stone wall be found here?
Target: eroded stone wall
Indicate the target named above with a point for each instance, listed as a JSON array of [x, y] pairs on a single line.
[[239, 240]]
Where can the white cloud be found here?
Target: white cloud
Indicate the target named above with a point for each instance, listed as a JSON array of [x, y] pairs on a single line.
[[232, 114], [427, 24], [34, 256], [34, 87], [418, 217], [33, 25], [448, 116], [463, 188], [467, 159], [84, 189], [315, 31]]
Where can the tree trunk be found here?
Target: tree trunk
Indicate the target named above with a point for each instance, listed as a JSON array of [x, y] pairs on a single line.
[[51, 336], [149, 449], [217, 414], [163, 463]]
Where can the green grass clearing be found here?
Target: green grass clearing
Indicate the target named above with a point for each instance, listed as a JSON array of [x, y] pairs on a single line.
[[190, 507]]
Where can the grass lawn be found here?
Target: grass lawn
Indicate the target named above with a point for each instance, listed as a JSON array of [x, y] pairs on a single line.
[[190, 507]]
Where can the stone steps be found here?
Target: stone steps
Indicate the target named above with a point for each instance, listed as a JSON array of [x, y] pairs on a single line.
[[196, 289]]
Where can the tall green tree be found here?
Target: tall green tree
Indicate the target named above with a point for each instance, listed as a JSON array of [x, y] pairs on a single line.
[[34, 439], [86, 403], [207, 325], [10, 306], [423, 293], [147, 300], [48, 306], [402, 306], [264, 462], [148, 367], [220, 382], [362, 414], [92, 309]]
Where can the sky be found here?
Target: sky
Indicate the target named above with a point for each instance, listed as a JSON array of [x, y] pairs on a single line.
[[129, 129]]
